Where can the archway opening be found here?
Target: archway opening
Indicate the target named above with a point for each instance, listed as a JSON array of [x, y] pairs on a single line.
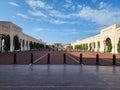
[[7, 43], [23, 44], [93, 46], [108, 45], [26, 45], [16, 42]]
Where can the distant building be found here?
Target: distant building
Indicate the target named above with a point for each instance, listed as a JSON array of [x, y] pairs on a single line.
[[58, 46], [9, 28], [66, 45], [100, 41]]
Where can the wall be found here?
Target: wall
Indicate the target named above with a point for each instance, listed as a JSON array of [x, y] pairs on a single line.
[[9, 28], [112, 32]]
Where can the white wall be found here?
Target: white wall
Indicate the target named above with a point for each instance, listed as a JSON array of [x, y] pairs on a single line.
[[9, 28]]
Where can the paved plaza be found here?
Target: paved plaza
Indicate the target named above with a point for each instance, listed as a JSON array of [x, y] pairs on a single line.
[[59, 77]]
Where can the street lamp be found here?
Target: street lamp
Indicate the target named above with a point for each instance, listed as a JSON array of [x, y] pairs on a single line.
[[2, 36]]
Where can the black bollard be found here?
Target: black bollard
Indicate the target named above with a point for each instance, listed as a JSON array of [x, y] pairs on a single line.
[[48, 62], [64, 58], [81, 58], [97, 59], [15, 62], [31, 58], [114, 59]]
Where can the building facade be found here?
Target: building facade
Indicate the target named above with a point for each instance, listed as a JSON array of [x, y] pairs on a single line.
[[9, 28], [99, 42]]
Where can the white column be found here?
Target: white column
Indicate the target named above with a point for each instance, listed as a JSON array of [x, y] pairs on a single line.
[[73, 46], [96, 46], [113, 45], [11, 43], [28, 45], [102, 46], [3, 41], [25, 48], [92, 44]]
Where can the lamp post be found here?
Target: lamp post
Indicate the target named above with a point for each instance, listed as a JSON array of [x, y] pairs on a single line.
[[2, 36]]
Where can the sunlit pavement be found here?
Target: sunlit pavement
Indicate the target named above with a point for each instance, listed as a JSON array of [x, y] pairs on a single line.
[[59, 77]]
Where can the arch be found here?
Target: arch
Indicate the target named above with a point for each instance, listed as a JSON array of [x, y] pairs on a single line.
[[7, 43], [23, 44], [16, 43], [93, 46], [31, 45], [108, 45]]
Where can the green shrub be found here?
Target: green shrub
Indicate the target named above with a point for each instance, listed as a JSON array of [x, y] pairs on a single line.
[[16, 43], [90, 47], [86, 47], [69, 47], [118, 46], [77, 47], [109, 46]]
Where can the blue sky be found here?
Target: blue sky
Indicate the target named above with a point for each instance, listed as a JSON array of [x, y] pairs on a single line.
[[61, 21]]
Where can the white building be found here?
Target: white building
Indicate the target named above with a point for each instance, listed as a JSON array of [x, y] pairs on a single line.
[[99, 42], [9, 28]]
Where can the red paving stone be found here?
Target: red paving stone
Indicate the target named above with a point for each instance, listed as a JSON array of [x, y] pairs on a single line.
[[56, 58]]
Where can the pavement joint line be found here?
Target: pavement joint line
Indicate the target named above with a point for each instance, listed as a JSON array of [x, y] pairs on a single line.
[[73, 58], [40, 58]]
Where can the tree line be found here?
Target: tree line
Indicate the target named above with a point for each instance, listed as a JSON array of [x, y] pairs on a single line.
[[86, 47]]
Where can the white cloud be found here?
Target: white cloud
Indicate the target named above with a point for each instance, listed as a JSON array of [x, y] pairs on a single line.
[[102, 5], [22, 15], [103, 16], [94, 1], [92, 31], [13, 4], [57, 21], [38, 4], [39, 29], [59, 14], [66, 5], [73, 7], [37, 13], [79, 6], [69, 1], [13, 16], [71, 32], [56, 13]]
